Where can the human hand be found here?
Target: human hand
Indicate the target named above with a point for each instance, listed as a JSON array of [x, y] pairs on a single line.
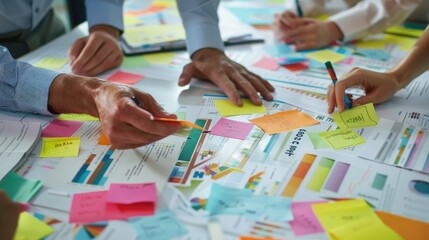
[[213, 65], [285, 22], [97, 52], [378, 87], [9, 214], [125, 124]]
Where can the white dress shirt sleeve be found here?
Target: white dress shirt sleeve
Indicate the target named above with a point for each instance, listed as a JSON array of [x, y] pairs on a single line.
[[23, 88], [201, 24], [105, 12]]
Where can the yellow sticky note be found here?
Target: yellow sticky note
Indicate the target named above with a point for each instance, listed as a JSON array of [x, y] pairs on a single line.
[[227, 108], [362, 116], [405, 31], [335, 214], [164, 3], [378, 44], [51, 63], [323, 17], [406, 43], [77, 117], [60, 147], [131, 20], [368, 228], [160, 58], [29, 227], [326, 55], [284, 121], [342, 138]]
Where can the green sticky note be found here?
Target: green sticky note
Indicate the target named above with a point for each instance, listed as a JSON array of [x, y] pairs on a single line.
[[29, 227], [342, 138], [51, 63], [135, 62], [19, 189], [357, 117], [400, 30], [228, 108], [77, 117], [317, 141], [326, 55]]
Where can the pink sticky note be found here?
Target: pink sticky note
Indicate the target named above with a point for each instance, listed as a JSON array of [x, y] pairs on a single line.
[[348, 61], [92, 207], [61, 128], [232, 129], [127, 193], [267, 63], [124, 77], [305, 222]]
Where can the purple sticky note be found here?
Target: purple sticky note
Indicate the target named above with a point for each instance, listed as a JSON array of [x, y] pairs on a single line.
[[305, 222], [232, 129], [61, 128], [127, 193], [267, 63]]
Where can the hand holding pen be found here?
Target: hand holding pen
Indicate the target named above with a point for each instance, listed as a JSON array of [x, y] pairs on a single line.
[[341, 99]]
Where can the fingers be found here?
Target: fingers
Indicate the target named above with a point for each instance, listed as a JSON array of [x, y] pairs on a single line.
[[152, 106], [261, 85], [76, 48], [187, 73], [245, 85], [331, 99], [87, 53], [222, 80]]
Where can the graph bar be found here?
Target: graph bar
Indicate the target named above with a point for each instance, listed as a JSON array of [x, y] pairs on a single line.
[[414, 148], [379, 181], [101, 169], [320, 174], [299, 175], [253, 181], [80, 174], [337, 176], [191, 143], [405, 138], [426, 166]]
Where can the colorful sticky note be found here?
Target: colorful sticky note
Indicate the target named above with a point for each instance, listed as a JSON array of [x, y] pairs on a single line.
[[326, 55], [51, 63], [60, 147], [284, 121], [376, 44], [402, 226], [405, 43], [377, 54], [267, 63], [364, 228], [184, 123], [61, 128], [295, 67], [77, 117], [335, 214], [227, 108], [223, 200], [291, 60], [127, 193], [124, 77], [160, 58], [357, 117], [103, 140], [404, 31], [164, 225], [255, 15], [342, 138], [92, 207], [29, 227], [279, 50], [304, 221], [317, 141], [232, 129], [18, 188], [135, 62]]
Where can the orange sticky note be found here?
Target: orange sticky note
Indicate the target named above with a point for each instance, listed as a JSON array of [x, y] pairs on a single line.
[[284, 121], [103, 140], [406, 227], [184, 123]]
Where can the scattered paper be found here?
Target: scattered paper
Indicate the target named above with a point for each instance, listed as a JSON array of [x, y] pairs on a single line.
[[228, 108], [232, 129], [402, 226], [125, 78], [61, 128], [267, 63], [357, 117], [51, 63], [284, 121], [29, 227], [60, 147], [304, 221], [326, 55], [342, 138], [127, 193], [18, 188]]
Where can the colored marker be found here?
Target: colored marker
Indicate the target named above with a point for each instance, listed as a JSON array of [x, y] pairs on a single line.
[[331, 71]]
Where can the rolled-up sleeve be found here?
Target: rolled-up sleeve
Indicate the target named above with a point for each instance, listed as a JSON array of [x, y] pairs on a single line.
[[23, 88], [201, 23], [105, 12]]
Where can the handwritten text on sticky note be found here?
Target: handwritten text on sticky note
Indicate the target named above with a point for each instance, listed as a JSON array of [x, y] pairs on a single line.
[[127, 193], [232, 129], [60, 147], [357, 117], [342, 138]]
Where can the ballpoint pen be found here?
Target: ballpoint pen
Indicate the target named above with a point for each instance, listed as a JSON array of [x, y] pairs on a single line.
[[331, 71], [298, 8]]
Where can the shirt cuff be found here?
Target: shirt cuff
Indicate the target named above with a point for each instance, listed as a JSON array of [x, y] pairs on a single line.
[[353, 23], [103, 12], [32, 90], [203, 35]]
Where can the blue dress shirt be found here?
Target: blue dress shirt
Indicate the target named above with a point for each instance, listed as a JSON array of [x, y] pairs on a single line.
[[23, 88]]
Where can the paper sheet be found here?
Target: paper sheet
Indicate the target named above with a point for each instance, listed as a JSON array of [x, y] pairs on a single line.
[[124, 77]]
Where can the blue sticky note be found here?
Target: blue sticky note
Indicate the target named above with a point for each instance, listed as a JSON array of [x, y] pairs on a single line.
[[291, 60], [223, 200], [279, 50], [255, 15], [378, 54], [316, 64], [164, 225], [19, 189]]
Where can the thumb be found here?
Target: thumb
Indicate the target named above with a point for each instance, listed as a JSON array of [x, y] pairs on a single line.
[[363, 100], [153, 107], [76, 49], [187, 73]]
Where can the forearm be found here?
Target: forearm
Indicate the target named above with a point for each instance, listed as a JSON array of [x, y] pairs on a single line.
[[416, 62], [72, 94]]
